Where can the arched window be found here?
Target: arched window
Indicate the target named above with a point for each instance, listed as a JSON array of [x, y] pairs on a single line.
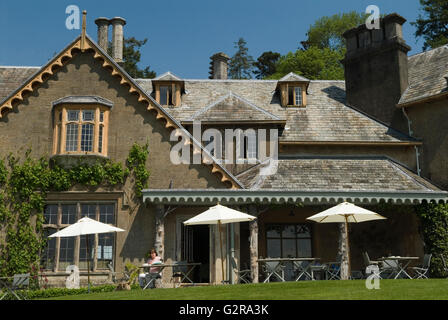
[[81, 125]]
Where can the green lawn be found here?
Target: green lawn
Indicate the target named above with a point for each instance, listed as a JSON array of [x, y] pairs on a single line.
[[433, 289]]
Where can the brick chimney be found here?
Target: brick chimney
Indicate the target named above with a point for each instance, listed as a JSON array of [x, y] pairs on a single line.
[[103, 32], [376, 68], [218, 66], [117, 38]]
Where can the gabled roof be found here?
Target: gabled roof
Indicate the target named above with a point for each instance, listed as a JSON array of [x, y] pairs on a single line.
[[292, 77], [167, 76], [345, 173], [232, 107], [81, 44], [427, 76]]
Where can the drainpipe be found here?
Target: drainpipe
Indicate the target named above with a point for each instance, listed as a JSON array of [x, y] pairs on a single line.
[[232, 252], [417, 154]]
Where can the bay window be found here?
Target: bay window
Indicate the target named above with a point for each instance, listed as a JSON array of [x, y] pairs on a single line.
[[81, 128]]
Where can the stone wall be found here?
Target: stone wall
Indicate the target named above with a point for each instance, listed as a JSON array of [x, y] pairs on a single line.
[[429, 124]]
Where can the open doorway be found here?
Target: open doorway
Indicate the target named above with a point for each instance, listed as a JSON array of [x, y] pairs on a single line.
[[201, 253], [195, 247]]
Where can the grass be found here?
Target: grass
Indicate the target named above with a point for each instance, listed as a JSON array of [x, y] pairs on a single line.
[[428, 289]]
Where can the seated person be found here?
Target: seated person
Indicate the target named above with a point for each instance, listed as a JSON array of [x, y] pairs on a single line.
[[153, 271]]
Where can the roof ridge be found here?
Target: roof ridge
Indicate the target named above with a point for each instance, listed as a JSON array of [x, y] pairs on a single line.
[[445, 46]]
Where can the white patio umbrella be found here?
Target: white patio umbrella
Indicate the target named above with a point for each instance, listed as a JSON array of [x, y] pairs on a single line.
[[85, 226], [219, 215], [345, 213]]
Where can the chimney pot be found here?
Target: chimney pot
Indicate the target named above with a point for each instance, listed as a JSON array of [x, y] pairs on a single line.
[[103, 31], [117, 38]]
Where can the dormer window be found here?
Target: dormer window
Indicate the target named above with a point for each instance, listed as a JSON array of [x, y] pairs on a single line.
[[168, 94], [167, 90], [292, 89], [80, 126], [293, 95]]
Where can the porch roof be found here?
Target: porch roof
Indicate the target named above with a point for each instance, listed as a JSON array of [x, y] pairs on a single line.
[[270, 196]]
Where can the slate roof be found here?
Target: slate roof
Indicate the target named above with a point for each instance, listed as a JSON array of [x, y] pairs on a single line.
[[233, 108], [325, 118], [427, 72], [12, 77], [336, 173]]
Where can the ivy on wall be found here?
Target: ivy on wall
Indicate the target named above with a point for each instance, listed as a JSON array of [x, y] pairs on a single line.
[[434, 219], [24, 185]]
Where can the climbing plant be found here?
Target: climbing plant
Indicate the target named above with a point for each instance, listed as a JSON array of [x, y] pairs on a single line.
[[24, 184], [136, 162], [434, 220]]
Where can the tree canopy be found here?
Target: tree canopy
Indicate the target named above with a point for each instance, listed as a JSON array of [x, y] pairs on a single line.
[[327, 31], [313, 63], [432, 26], [241, 64], [131, 58], [266, 64], [320, 55]]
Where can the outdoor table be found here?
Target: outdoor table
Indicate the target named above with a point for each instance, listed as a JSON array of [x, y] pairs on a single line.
[[161, 266], [303, 270], [402, 264]]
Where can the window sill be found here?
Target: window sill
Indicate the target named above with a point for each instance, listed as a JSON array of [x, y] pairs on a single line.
[[71, 160], [292, 106]]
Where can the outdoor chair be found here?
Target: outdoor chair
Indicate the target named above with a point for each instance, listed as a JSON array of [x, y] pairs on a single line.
[[389, 268], [445, 265], [320, 268], [421, 271], [367, 260], [112, 273], [333, 271], [19, 282], [302, 270], [244, 275], [180, 271], [274, 268]]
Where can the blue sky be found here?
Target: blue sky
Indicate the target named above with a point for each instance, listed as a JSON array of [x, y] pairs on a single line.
[[182, 35]]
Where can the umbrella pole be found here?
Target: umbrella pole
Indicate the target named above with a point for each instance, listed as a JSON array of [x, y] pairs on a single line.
[[347, 247], [88, 263], [222, 260]]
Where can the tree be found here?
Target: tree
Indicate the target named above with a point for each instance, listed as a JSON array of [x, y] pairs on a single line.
[[320, 57], [433, 24], [313, 63], [131, 58], [241, 64], [266, 64], [327, 31]]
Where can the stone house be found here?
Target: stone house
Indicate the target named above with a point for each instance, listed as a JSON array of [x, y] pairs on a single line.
[[377, 137]]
